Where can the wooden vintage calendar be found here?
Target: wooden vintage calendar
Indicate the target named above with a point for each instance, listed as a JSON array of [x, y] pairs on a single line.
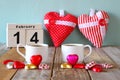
[[24, 34]]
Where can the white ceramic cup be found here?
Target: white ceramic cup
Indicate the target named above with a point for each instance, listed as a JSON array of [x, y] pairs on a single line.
[[30, 50], [78, 49]]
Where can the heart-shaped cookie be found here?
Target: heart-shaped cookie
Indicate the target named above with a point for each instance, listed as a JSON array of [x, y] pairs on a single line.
[[59, 27], [94, 27]]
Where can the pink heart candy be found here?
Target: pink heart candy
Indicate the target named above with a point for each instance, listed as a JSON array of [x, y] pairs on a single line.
[[72, 59]]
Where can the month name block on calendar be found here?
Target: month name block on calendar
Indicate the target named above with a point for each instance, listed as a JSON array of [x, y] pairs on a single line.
[[24, 34]]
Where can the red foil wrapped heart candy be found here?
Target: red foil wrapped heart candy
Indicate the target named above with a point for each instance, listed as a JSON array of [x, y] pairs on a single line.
[[36, 59], [79, 66], [97, 68], [18, 65]]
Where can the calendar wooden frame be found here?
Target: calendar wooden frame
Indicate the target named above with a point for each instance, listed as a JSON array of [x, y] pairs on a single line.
[[24, 34]]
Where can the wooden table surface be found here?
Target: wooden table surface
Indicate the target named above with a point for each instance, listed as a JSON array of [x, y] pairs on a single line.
[[110, 55]]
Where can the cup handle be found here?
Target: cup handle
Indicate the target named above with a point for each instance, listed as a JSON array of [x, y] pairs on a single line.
[[19, 45], [90, 50]]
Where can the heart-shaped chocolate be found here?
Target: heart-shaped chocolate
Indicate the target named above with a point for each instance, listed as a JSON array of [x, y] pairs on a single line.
[[18, 65], [36, 59], [79, 66], [94, 27], [72, 59], [7, 61], [59, 27], [97, 68]]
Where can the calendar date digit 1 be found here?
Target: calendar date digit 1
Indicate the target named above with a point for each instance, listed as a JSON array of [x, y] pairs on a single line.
[[17, 35]]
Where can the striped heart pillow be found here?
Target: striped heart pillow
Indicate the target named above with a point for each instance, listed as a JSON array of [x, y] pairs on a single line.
[[94, 27]]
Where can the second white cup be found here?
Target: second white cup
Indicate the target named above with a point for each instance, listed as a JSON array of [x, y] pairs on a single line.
[[78, 49]]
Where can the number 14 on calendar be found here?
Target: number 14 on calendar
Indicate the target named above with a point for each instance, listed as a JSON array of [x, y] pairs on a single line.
[[24, 34]]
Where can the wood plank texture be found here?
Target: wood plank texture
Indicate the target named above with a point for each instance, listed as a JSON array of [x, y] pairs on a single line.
[[101, 55], [113, 53], [67, 74], [110, 55], [6, 74], [3, 49], [37, 74]]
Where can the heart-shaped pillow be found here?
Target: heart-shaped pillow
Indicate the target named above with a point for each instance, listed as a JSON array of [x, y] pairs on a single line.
[[59, 27], [94, 27]]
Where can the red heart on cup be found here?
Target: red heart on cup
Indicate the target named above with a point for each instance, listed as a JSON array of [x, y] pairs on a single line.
[[72, 59], [59, 27], [18, 65], [36, 59], [94, 27]]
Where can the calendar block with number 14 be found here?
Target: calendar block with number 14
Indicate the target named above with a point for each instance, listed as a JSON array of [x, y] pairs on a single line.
[[24, 34]]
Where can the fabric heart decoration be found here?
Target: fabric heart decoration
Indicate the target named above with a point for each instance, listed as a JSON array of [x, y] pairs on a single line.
[[59, 27], [94, 27]]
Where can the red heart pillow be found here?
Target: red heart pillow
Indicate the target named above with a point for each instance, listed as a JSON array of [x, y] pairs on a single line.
[[94, 28], [59, 27]]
